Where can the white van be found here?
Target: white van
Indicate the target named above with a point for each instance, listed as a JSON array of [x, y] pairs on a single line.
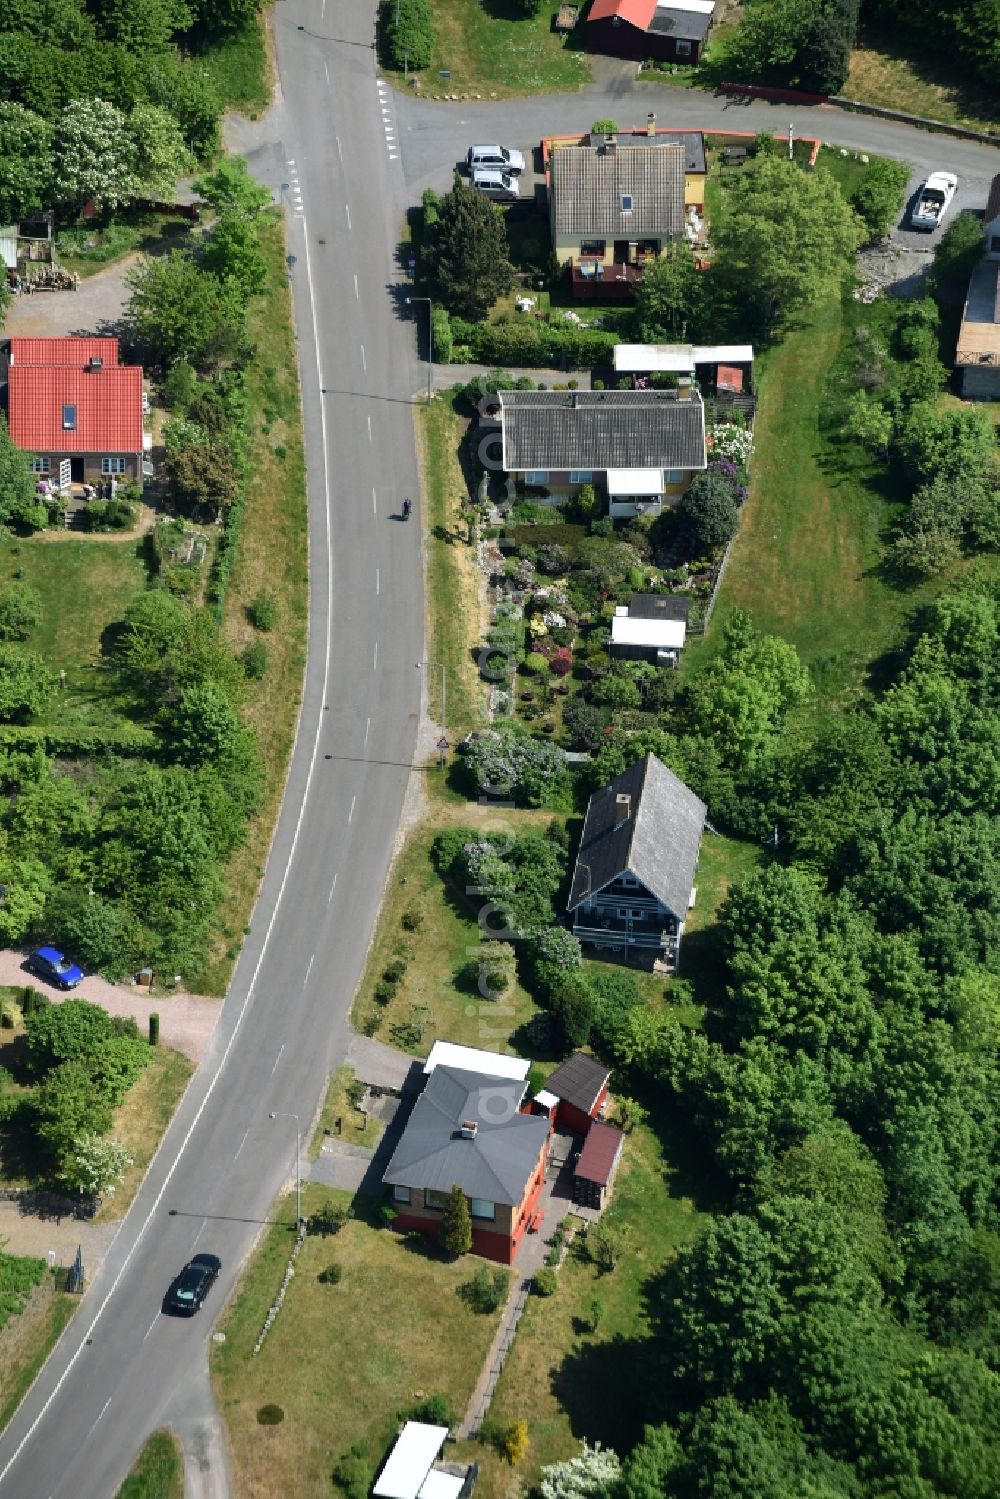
[[496, 159], [497, 185]]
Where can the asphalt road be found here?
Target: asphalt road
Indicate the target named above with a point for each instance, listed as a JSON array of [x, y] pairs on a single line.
[[124, 1369], [346, 157]]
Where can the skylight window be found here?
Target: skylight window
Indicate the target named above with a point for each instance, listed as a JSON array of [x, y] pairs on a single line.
[[69, 418], [626, 202]]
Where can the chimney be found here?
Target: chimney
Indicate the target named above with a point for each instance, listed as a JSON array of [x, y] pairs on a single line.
[[96, 363], [468, 1129], [623, 808], [651, 124], [684, 388]]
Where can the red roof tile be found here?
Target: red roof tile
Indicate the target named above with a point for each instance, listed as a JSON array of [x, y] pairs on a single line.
[[63, 350], [108, 408], [600, 1153], [636, 12]]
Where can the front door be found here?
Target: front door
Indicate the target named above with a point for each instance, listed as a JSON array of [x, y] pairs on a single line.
[[76, 470], [621, 251]]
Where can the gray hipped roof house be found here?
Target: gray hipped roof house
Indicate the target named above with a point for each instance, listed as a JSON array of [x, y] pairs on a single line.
[[634, 875], [601, 430], [465, 1130]]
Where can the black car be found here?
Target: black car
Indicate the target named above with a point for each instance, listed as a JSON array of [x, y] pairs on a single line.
[[193, 1284]]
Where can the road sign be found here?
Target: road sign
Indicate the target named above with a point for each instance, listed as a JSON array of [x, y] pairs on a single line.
[[442, 745]]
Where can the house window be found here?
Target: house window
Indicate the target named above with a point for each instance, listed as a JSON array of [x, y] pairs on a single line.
[[594, 247], [581, 476], [626, 202], [400, 1194], [69, 418], [480, 1208], [683, 48], [112, 465], [438, 1201], [537, 476], [40, 464], [673, 476]]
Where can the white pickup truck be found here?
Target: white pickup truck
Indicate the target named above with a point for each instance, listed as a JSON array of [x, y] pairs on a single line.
[[933, 200]]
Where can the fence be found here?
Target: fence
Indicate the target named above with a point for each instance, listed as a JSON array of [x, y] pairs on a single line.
[[477, 1414]]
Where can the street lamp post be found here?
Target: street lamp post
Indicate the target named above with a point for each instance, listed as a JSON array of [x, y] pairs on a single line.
[[444, 690], [430, 338], [279, 1114]]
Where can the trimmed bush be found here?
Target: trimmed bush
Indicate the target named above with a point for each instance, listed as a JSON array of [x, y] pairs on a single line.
[[435, 1410], [543, 1282], [263, 611], [270, 1415], [254, 658], [331, 1276], [529, 344], [407, 34], [412, 919], [154, 1029]]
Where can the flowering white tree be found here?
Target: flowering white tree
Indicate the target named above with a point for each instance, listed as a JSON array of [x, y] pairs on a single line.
[[594, 1471], [160, 153], [95, 156], [95, 1166]]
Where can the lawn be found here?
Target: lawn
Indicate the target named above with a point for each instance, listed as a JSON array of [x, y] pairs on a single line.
[[568, 1381], [495, 51], [394, 1331], [354, 1130], [455, 606], [85, 586], [240, 66], [158, 1471], [142, 1119], [806, 560], [429, 1003], [884, 73], [274, 554]]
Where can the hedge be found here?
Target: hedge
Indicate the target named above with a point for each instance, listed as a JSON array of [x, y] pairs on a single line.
[[442, 336], [131, 740], [531, 344], [407, 34]]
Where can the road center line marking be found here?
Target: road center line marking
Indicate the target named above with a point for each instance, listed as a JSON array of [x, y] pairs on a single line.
[[369, 429], [339, 151], [309, 969], [348, 212], [242, 1143], [332, 889], [364, 361], [251, 987], [149, 1329], [277, 1059], [375, 664], [374, 509], [357, 294], [350, 815], [368, 724], [326, 65], [198, 1235], [378, 582], [103, 1409]]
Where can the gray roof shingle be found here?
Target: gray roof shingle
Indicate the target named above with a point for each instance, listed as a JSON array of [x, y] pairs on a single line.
[[496, 1165], [578, 1080], [601, 429], [659, 606], [658, 841], [587, 188]]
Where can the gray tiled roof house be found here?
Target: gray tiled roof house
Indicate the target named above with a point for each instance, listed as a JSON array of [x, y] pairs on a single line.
[[601, 429], [657, 841], [495, 1164], [628, 192]]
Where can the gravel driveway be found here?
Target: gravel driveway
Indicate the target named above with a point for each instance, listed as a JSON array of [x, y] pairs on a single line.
[[95, 308], [186, 1020]]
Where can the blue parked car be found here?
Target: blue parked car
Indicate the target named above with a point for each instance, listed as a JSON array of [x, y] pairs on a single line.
[[50, 964]]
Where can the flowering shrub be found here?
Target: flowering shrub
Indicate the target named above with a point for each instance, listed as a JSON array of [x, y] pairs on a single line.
[[561, 664], [508, 762], [732, 442], [553, 620], [733, 475]]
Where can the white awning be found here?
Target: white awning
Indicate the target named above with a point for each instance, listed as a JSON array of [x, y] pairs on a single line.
[[471, 1059], [658, 634], [438, 1485], [409, 1462], [635, 481], [700, 7], [546, 1099], [677, 359]]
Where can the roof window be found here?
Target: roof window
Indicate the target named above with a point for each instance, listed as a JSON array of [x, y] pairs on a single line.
[[69, 418], [626, 202]]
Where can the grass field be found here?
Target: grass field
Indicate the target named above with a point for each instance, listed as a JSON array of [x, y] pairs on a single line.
[[428, 998], [568, 1381], [336, 1105], [933, 86], [241, 68], [158, 1471], [85, 586], [273, 553], [455, 611], [140, 1122], [27, 1341], [341, 1360], [493, 49]]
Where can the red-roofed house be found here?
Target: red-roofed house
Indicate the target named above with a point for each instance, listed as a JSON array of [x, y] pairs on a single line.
[[70, 403], [665, 30]]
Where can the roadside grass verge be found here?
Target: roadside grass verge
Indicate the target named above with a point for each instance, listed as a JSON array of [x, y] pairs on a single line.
[[455, 608], [355, 1130], [140, 1123], [158, 1471], [240, 67], [566, 1378], [27, 1341], [497, 51], [85, 587], [430, 1001], [884, 72], [341, 1360], [273, 554]]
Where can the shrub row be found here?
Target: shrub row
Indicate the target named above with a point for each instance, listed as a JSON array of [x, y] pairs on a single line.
[[132, 740], [407, 34], [531, 344]]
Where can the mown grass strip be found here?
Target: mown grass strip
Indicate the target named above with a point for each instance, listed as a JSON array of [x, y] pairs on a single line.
[[158, 1471]]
